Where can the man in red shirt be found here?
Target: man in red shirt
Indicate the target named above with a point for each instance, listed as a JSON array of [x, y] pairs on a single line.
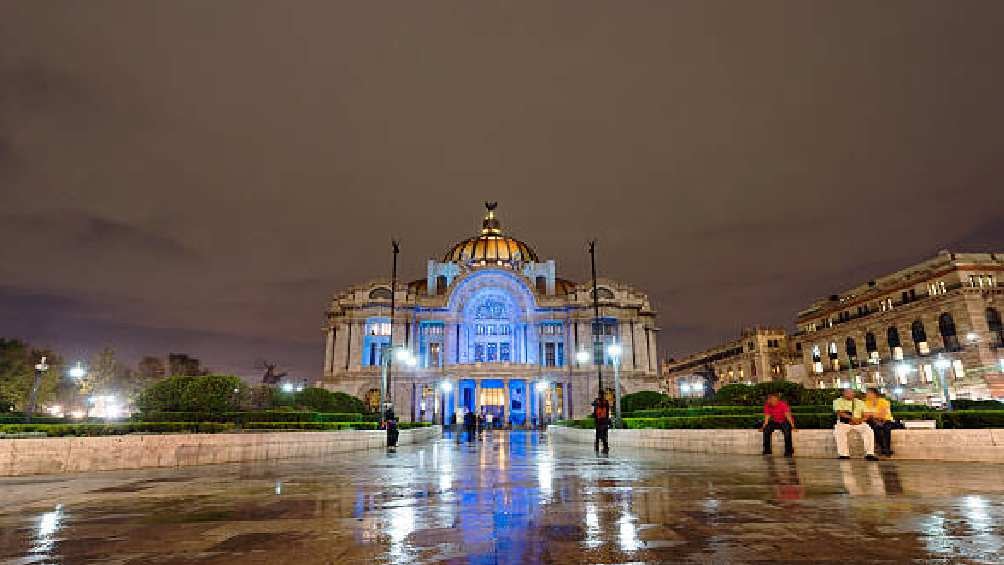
[[777, 416]]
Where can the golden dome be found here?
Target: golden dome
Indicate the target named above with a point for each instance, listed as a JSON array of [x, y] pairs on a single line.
[[491, 247]]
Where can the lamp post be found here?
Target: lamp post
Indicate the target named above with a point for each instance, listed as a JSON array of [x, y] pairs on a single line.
[[596, 318], [942, 364], [40, 368], [386, 394], [614, 350]]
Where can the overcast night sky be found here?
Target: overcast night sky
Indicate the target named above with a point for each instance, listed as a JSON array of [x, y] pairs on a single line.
[[200, 176]]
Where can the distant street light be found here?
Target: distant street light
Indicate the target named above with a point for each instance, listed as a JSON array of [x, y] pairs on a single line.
[[78, 371], [287, 387]]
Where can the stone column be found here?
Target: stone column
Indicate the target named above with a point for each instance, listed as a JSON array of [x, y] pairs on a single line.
[[339, 347], [508, 406], [477, 395], [329, 350]]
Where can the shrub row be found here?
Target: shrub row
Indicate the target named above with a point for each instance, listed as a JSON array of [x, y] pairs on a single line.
[[60, 430], [718, 411], [959, 419], [255, 416], [311, 426]]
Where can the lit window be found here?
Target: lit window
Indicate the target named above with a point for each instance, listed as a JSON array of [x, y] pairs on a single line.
[[958, 369]]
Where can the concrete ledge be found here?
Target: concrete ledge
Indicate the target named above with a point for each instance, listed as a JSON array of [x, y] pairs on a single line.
[[986, 445], [136, 451]]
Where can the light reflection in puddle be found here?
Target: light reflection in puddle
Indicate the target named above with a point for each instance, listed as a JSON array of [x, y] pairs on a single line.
[[48, 526]]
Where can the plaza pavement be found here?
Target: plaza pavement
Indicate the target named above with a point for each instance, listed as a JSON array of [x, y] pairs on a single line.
[[514, 498]]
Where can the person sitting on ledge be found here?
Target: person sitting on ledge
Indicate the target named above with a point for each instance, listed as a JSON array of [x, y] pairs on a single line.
[[777, 416], [878, 415], [850, 416]]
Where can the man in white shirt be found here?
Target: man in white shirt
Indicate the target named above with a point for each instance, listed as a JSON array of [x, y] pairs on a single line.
[[850, 417]]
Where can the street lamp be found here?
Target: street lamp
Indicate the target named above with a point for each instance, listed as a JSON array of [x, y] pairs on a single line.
[[287, 387], [40, 368], [942, 364], [614, 351], [684, 389]]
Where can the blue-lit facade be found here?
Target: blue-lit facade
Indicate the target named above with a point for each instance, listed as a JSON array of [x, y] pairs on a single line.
[[492, 330]]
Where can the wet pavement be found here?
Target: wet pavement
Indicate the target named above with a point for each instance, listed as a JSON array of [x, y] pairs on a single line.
[[514, 498]]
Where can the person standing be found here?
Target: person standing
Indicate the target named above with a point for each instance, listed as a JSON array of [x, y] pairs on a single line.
[[777, 416], [601, 414], [878, 415], [850, 417]]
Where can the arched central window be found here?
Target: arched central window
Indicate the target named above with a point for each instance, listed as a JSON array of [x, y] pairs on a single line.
[[946, 325]]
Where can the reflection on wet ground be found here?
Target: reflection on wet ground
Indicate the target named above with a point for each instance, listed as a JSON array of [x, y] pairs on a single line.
[[514, 498]]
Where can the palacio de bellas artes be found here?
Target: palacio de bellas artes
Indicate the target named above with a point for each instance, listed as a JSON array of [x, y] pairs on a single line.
[[494, 329]]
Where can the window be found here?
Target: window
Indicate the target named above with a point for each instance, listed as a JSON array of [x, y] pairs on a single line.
[[885, 305], [946, 325], [816, 356], [550, 357], [561, 354], [491, 352], [380, 293], [798, 346], [750, 346], [435, 358], [919, 336], [479, 353], [981, 281], [958, 370], [895, 345], [441, 284], [996, 327], [936, 288], [376, 336], [505, 352], [604, 293], [870, 345], [541, 284], [852, 351]]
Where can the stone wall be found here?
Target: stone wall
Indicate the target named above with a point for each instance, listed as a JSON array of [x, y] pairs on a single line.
[[938, 445], [136, 451]]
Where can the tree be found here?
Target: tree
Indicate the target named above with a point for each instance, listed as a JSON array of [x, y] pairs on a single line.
[[151, 368], [104, 374], [206, 394], [183, 364], [17, 373]]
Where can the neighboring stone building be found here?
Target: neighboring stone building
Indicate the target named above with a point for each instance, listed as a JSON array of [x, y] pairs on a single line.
[[492, 327], [759, 355], [890, 331]]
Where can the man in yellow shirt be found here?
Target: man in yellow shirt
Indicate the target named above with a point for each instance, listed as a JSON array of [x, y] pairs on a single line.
[[878, 415], [850, 417]]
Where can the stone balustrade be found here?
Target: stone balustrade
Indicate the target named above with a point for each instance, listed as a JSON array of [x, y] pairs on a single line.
[[138, 451], [985, 445]]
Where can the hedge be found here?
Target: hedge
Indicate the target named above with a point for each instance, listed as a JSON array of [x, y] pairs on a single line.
[[59, 430], [719, 411], [311, 426], [255, 416], [959, 419]]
